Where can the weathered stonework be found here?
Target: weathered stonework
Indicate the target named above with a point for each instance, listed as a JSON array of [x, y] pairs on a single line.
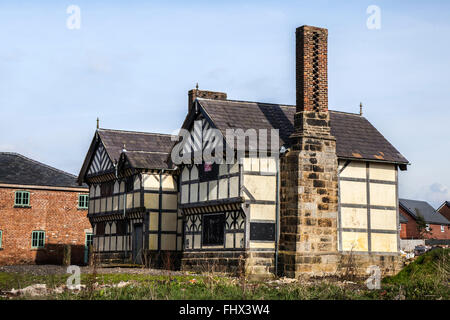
[[309, 199], [309, 178], [232, 262]]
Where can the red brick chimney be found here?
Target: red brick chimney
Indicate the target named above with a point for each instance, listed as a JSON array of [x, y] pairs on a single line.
[[311, 69], [196, 93]]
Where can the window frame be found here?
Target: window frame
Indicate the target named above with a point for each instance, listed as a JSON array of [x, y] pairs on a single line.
[[1, 239], [442, 229], [205, 176], [86, 201], [205, 238], [38, 233], [21, 203]]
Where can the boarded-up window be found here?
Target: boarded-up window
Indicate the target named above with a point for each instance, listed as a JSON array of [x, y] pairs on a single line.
[[208, 171], [129, 184], [213, 229], [106, 189], [121, 228], [100, 229]]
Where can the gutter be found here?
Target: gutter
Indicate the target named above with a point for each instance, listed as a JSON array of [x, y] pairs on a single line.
[[23, 186]]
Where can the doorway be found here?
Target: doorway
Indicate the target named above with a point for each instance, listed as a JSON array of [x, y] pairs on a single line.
[[137, 244]]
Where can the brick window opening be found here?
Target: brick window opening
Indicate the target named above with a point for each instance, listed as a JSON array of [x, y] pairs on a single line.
[[83, 201], [37, 239], [22, 199], [442, 229], [213, 229]]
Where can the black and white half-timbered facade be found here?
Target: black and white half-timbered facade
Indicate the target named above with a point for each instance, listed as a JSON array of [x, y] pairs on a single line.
[[133, 197], [251, 187]]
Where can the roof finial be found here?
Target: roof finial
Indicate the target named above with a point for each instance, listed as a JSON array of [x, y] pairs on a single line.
[[196, 86], [98, 123], [360, 109]]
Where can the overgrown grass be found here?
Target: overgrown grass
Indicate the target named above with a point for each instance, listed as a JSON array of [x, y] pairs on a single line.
[[425, 278]]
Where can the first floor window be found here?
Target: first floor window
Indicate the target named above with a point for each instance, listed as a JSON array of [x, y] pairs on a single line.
[[22, 198], [37, 239], [442, 228], [121, 228], [83, 201], [100, 229], [1, 237], [213, 229]]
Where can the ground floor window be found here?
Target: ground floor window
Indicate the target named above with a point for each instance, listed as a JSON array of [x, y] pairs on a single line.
[[213, 229], [89, 239], [37, 239]]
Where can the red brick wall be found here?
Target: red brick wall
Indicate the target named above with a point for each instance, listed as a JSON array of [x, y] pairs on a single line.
[[54, 212], [409, 230], [445, 211]]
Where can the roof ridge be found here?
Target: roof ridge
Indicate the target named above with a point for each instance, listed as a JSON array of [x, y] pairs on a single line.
[[40, 163], [160, 152], [275, 104], [140, 132]]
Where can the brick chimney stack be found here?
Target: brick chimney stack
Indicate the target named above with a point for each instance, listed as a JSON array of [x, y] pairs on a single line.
[[311, 69], [311, 81], [196, 93], [309, 203]]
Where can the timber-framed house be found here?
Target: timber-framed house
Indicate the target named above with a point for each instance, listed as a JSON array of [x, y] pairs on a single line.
[[133, 197], [321, 193]]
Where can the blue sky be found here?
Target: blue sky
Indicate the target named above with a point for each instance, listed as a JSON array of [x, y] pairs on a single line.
[[132, 62]]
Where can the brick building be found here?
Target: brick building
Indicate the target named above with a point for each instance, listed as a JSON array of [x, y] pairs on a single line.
[[321, 192], [437, 224], [41, 210], [444, 209]]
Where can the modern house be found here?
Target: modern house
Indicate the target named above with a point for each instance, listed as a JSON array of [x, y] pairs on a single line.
[[444, 209], [303, 190], [437, 226], [42, 209]]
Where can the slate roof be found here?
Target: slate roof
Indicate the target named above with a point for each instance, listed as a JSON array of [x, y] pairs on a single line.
[[356, 137], [148, 160], [18, 169], [152, 143], [415, 208], [144, 150]]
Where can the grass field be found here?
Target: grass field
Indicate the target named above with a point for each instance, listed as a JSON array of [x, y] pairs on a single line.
[[426, 278]]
